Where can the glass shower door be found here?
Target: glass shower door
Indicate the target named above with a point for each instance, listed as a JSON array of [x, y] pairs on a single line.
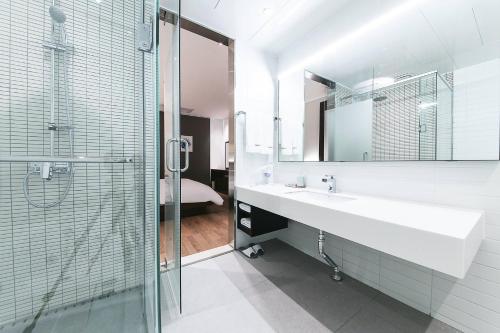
[[78, 167], [170, 165]]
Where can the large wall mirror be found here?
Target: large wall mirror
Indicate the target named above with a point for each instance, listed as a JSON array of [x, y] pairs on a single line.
[[404, 81]]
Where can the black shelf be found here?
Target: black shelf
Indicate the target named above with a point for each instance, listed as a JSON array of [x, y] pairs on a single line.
[[263, 221]]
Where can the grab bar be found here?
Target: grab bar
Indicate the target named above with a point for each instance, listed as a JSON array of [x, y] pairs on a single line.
[[78, 159]]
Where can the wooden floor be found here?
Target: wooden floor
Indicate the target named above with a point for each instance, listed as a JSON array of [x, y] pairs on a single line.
[[198, 233]]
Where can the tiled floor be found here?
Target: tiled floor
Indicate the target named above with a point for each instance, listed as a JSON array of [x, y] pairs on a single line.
[[286, 291], [121, 313]]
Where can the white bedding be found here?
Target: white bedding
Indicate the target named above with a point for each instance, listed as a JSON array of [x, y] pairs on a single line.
[[191, 191]]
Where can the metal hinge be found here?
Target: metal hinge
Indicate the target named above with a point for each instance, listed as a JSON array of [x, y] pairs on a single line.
[[145, 36]]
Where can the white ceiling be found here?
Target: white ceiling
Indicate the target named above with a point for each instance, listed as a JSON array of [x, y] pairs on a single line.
[[436, 35], [204, 76], [268, 24]]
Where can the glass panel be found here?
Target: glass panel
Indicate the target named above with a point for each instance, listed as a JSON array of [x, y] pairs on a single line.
[[77, 234], [150, 132], [169, 36]]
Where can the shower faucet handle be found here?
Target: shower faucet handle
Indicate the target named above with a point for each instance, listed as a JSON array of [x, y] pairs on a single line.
[[46, 170]]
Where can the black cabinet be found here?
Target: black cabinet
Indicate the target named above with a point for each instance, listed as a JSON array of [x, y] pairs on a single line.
[[220, 180], [261, 221]]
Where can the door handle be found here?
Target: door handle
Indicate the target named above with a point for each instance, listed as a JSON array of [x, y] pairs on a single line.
[[186, 155], [168, 156], [168, 152]]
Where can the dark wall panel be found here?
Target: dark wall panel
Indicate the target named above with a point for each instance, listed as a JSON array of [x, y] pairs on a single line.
[[199, 159], [162, 145]]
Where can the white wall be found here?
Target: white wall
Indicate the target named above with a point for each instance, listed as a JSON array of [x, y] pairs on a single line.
[[476, 115], [218, 138], [254, 94]]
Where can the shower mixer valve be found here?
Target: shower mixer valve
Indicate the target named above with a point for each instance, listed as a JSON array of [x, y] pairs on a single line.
[[46, 170]]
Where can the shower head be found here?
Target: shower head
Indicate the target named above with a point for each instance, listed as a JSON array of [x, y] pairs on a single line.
[[57, 14]]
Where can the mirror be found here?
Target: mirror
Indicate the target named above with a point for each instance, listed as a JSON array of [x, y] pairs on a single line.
[[418, 81]]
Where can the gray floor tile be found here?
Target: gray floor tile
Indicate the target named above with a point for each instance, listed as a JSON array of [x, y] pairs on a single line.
[[205, 286], [367, 321], [306, 281], [239, 316], [404, 317], [121, 313], [239, 270], [287, 291], [281, 312]]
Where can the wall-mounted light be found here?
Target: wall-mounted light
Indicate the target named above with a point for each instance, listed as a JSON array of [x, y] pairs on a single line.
[[353, 35]]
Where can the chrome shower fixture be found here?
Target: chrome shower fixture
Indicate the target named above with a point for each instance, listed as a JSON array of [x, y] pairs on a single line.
[[48, 170]]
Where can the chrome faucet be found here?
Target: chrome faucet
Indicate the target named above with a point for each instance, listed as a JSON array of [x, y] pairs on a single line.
[[331, 182]]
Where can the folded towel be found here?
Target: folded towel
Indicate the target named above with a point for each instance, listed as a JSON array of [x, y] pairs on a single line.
[[245, 207], [246, 222], [259, 130]]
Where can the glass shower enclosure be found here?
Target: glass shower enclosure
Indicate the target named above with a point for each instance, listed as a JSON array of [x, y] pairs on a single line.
[[79, 166]]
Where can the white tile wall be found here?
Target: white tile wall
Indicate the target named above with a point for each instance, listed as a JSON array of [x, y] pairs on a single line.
[[92, 244], [471, 304], [476, 115]]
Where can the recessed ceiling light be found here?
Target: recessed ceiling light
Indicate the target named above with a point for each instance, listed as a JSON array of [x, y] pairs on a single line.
[[266, 11]]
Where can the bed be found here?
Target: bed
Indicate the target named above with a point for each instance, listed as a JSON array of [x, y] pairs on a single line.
[[192, 192], [195, 197]]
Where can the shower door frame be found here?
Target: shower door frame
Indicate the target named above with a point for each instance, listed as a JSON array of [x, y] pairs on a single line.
[[171, 148]]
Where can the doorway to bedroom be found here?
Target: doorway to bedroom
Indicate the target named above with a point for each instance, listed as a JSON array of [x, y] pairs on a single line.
[[206, 121]]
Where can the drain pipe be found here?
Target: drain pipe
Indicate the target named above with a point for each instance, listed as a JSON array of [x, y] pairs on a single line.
[[336, 276]]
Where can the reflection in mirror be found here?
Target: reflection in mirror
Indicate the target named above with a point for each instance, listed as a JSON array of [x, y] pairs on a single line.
[[408, 118], [411, 83]]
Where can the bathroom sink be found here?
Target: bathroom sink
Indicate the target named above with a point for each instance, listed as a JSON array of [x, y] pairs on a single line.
[[325, 197]]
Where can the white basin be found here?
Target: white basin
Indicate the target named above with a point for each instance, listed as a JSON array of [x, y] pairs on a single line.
[[442, 238], [324, 197]]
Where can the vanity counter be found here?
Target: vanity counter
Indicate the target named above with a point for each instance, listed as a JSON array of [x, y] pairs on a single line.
[[442, 238]]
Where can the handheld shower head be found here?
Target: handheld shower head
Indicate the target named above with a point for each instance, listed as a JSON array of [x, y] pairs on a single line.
[[57, 14]]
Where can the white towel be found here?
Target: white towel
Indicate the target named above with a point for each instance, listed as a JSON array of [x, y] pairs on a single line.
[[247, 222], [259, 130], [245, 207]]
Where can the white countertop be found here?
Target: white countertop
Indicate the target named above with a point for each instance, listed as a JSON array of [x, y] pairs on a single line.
[[439, 237]]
